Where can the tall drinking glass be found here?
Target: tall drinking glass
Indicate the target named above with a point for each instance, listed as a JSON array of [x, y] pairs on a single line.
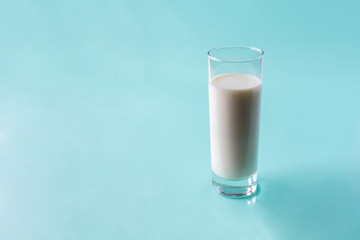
[[235, 81]]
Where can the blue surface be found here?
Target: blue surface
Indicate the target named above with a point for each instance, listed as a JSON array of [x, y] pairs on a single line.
[[104, 130]]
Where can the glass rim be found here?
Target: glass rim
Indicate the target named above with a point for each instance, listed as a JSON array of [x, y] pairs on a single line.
[[254, 49]]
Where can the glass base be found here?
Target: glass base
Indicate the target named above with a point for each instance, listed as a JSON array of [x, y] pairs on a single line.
[[235, 188]]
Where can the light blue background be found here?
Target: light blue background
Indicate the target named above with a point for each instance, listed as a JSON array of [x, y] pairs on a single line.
[[104, 129]]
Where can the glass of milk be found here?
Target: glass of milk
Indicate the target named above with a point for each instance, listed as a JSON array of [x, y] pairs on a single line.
[[235, 82]]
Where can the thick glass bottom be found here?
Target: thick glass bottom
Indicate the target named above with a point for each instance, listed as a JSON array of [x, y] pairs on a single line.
[[235, 188]]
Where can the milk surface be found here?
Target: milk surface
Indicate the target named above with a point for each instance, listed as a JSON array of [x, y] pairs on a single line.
[[234, 101]]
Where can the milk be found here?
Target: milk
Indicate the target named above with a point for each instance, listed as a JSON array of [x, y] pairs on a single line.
[[234, 124]]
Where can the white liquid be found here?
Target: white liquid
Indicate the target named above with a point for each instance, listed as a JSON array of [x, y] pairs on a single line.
[[234, 124]]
